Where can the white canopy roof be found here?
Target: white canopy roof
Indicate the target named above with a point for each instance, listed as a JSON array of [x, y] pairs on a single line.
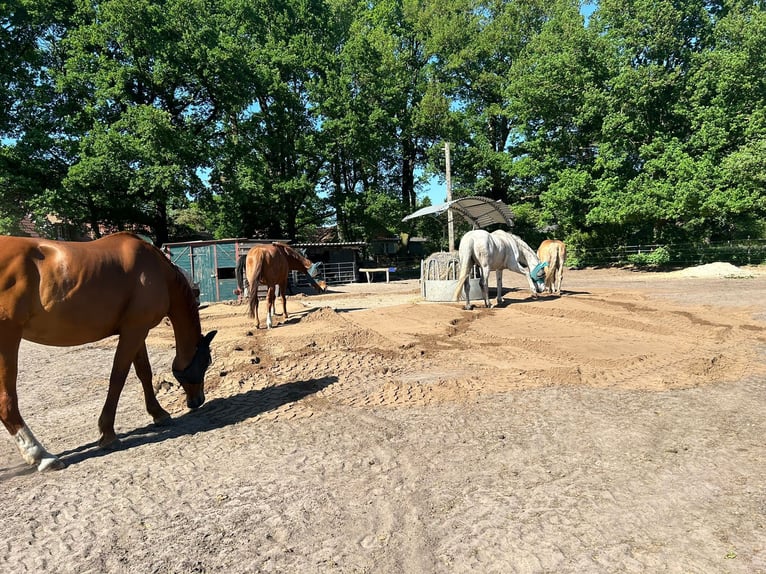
[[477, 210]]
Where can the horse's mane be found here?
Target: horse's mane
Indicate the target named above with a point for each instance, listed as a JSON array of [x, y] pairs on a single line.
[[180, 281], [523, 245], [288, 249], [292, 252]]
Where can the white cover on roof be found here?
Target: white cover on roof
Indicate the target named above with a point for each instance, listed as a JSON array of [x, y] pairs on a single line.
[[477, 210]]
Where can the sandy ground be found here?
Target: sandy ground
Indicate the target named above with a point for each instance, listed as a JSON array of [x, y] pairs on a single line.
[[618, 428]]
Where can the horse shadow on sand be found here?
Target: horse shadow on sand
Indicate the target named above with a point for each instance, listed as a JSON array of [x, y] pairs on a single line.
[[509, 301], [215, 414]]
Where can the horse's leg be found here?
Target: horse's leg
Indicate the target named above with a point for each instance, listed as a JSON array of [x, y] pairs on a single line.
[[127, 349], [284, 300], [271, 297], [499, 283], [30, 448], [144, 373], [467, 291], [485, 284]]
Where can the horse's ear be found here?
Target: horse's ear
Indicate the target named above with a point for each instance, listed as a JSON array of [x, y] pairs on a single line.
[[209, 337]]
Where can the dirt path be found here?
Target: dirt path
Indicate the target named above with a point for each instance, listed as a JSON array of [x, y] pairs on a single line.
[[619, 428]]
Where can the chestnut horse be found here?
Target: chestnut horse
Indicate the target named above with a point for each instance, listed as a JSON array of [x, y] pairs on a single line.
[[66, 293], [554, 252], [270, 265]]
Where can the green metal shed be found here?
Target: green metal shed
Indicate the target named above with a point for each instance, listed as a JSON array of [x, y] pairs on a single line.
[[211, 264]]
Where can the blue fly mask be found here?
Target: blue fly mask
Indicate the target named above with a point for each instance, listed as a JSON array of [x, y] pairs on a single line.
[[313, 271], [538, 274]]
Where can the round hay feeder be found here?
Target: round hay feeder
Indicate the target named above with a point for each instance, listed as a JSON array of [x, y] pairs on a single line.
[[438, 278]]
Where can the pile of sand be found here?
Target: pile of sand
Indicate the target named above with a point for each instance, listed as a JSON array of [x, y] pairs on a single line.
[[715, 270]]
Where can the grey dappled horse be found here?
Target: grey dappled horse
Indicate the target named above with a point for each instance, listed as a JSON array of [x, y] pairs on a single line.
[[494, 252]]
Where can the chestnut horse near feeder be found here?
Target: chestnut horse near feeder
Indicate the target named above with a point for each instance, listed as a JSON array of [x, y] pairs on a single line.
[[270, 265], [65, 293], [554, 252]]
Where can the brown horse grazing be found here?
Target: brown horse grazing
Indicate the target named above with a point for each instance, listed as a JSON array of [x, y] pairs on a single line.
[[553, 252], [66, 293], [270, 265]]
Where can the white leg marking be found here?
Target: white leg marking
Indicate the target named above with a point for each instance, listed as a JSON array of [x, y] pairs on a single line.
[[33, 452]]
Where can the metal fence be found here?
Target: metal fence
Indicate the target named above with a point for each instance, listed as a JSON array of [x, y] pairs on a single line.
[[737, 252], [332, 273]]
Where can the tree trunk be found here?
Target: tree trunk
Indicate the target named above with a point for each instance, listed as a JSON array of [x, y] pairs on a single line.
[[408, 174]]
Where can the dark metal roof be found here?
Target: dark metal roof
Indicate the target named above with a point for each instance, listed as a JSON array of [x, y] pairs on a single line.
[[335, 244]]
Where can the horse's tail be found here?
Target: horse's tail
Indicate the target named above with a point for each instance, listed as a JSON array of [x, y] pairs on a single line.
[[255, 280], [466, 261], [240, 273], [460, 283], [554, 254]]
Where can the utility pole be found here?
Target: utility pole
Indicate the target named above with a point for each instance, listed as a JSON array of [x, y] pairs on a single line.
[[450, 222]]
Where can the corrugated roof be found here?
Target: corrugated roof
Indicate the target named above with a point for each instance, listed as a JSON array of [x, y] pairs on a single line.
[[335, 244], [477, 210]]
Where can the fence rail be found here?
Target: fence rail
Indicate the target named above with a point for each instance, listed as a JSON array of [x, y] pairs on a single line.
[[332, 273], [737, 252]]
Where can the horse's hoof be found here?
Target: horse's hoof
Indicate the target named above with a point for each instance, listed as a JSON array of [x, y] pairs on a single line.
[[163, 420], [51, 463], [109, 444]]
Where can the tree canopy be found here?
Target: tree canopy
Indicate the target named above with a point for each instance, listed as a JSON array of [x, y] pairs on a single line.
[[643, 122]]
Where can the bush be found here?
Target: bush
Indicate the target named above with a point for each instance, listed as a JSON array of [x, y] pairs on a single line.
[[657, 258]]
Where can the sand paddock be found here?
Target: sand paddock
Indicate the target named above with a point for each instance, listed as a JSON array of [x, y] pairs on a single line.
[[618, 428]]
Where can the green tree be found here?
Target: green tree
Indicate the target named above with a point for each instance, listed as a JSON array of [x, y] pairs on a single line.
[[727, 110], [479, 45], [33, 155], [380, 110], [557, 94], [647, 175], [147, 113], [267, 161]]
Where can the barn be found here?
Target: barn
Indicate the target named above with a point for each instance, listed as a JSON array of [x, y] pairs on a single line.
[[212, 263]]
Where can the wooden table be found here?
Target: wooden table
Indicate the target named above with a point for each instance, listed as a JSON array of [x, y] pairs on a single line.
[[370, 270]]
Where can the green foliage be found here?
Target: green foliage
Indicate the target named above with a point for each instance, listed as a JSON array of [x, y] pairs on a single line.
[[659, 257], [383, 213], [238, 118]]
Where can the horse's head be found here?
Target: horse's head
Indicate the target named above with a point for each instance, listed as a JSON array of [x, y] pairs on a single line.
[[538, 276], [313, 270], [192, 378]]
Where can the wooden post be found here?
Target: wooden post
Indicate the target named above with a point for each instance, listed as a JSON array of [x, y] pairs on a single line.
[[450, 221]]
